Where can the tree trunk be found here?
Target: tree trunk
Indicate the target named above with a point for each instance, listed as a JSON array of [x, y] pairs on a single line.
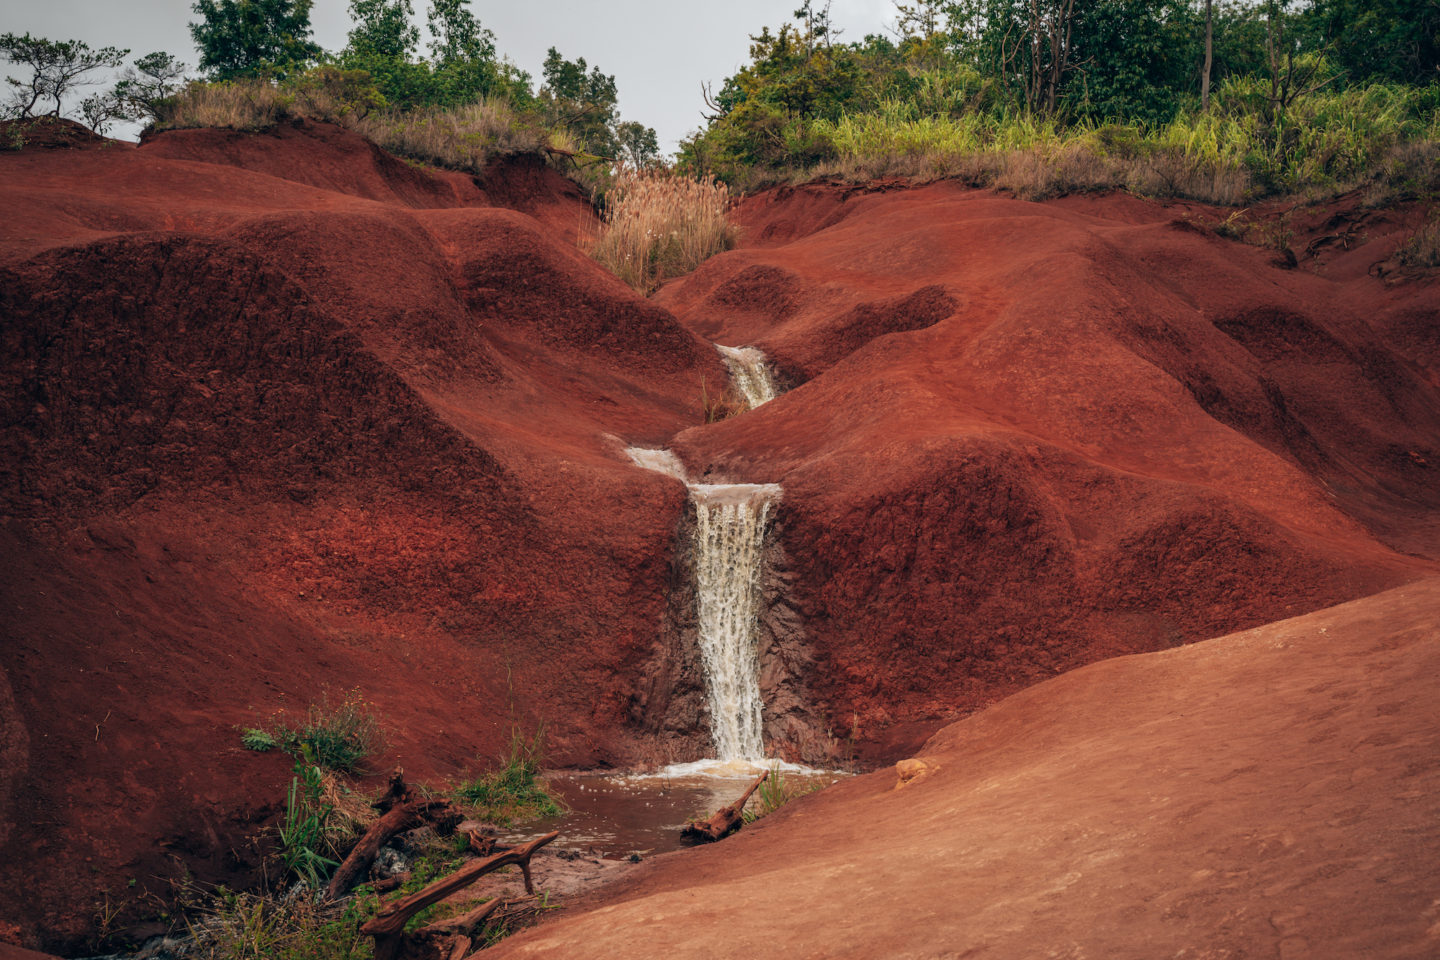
[[1209, 55]]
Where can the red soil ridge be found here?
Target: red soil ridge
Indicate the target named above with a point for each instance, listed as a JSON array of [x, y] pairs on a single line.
[[280, 413]]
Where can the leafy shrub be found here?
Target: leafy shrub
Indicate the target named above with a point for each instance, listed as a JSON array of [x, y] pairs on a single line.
[[335, 738], [512, 792], [657, 225]]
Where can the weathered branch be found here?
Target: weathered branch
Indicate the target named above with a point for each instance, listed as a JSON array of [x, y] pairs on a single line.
[[725, 821], [401, 813], [462, 925], [388, 926]]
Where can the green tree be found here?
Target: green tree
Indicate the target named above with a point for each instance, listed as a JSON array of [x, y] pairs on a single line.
[[639, 146], [57, 68], [253, 38], [462, 53], [583, 100], [382, 29], [152, 78], [1397, 40], [1139, 57]]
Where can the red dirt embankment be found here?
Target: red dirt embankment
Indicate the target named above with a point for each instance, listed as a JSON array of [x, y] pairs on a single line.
[[1273, 793], [1026, 436]]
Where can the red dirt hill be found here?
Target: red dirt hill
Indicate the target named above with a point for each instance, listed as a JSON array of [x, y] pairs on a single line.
[[1025, 436], [1272, 793], [280, 414]]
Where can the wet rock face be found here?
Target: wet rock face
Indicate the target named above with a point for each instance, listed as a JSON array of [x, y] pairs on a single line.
[[670, 705]]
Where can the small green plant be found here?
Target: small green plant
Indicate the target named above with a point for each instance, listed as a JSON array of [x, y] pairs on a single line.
[[336, 738], [512, 792], [258, 740], [774, 793], [302, 835]]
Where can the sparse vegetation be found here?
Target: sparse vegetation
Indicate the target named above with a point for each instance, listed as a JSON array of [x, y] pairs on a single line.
[[720, 404], [773, 794], [657, 225], [512, 792], [303, 832], [337, 737], [1422, 250]]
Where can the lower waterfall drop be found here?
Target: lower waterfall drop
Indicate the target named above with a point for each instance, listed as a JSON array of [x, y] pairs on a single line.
[[729, 548], [730, 524], [750, 373]]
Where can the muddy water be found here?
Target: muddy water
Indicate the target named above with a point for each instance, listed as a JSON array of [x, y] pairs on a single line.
[[616, 815]]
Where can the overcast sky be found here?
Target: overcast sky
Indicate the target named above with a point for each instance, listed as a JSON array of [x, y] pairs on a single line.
[[660, 51]]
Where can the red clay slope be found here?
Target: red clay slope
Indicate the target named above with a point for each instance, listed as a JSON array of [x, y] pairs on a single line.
[[1273, 793], [1025, 436], [280, 415]]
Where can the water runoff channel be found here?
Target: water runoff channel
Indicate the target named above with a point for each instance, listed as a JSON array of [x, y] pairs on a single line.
[[644, 812]]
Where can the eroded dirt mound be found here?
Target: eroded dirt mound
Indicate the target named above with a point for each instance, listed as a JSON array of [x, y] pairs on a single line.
[[1025, 436], [1269, 793]]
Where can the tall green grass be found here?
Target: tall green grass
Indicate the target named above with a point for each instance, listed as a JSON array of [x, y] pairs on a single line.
[[1241, 149]]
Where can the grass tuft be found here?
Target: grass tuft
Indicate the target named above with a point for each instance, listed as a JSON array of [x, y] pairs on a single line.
[[466, 137], [1422, 250], [512, 792], [773, 794]]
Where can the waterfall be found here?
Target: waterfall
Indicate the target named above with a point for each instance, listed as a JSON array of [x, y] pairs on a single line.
[[729, 546], [750, 374]]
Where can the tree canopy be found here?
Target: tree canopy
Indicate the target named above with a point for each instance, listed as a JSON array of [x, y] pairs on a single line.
[[253, 38]]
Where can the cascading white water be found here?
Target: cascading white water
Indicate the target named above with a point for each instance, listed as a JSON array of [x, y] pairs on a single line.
[[750, 374], [729, 555], [729, 544]]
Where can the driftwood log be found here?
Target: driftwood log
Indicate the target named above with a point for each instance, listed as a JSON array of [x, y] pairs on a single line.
[[400, 812], [725, 821], [388, 926]]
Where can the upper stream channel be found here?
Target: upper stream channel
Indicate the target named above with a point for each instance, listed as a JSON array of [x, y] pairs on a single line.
[[619, 814]]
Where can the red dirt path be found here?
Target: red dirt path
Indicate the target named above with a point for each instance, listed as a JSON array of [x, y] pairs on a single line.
[[279, 414]]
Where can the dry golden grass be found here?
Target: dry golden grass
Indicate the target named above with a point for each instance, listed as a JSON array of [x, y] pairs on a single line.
[[657, 226], [462, 138], [721, 404], [240, 105]]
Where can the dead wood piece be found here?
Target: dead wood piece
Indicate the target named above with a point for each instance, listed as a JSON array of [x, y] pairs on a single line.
[[396, 793], [482, 846], [388, 926], [392, 882], [462, 925], [725, 821], [459, 948], [396, 820]]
